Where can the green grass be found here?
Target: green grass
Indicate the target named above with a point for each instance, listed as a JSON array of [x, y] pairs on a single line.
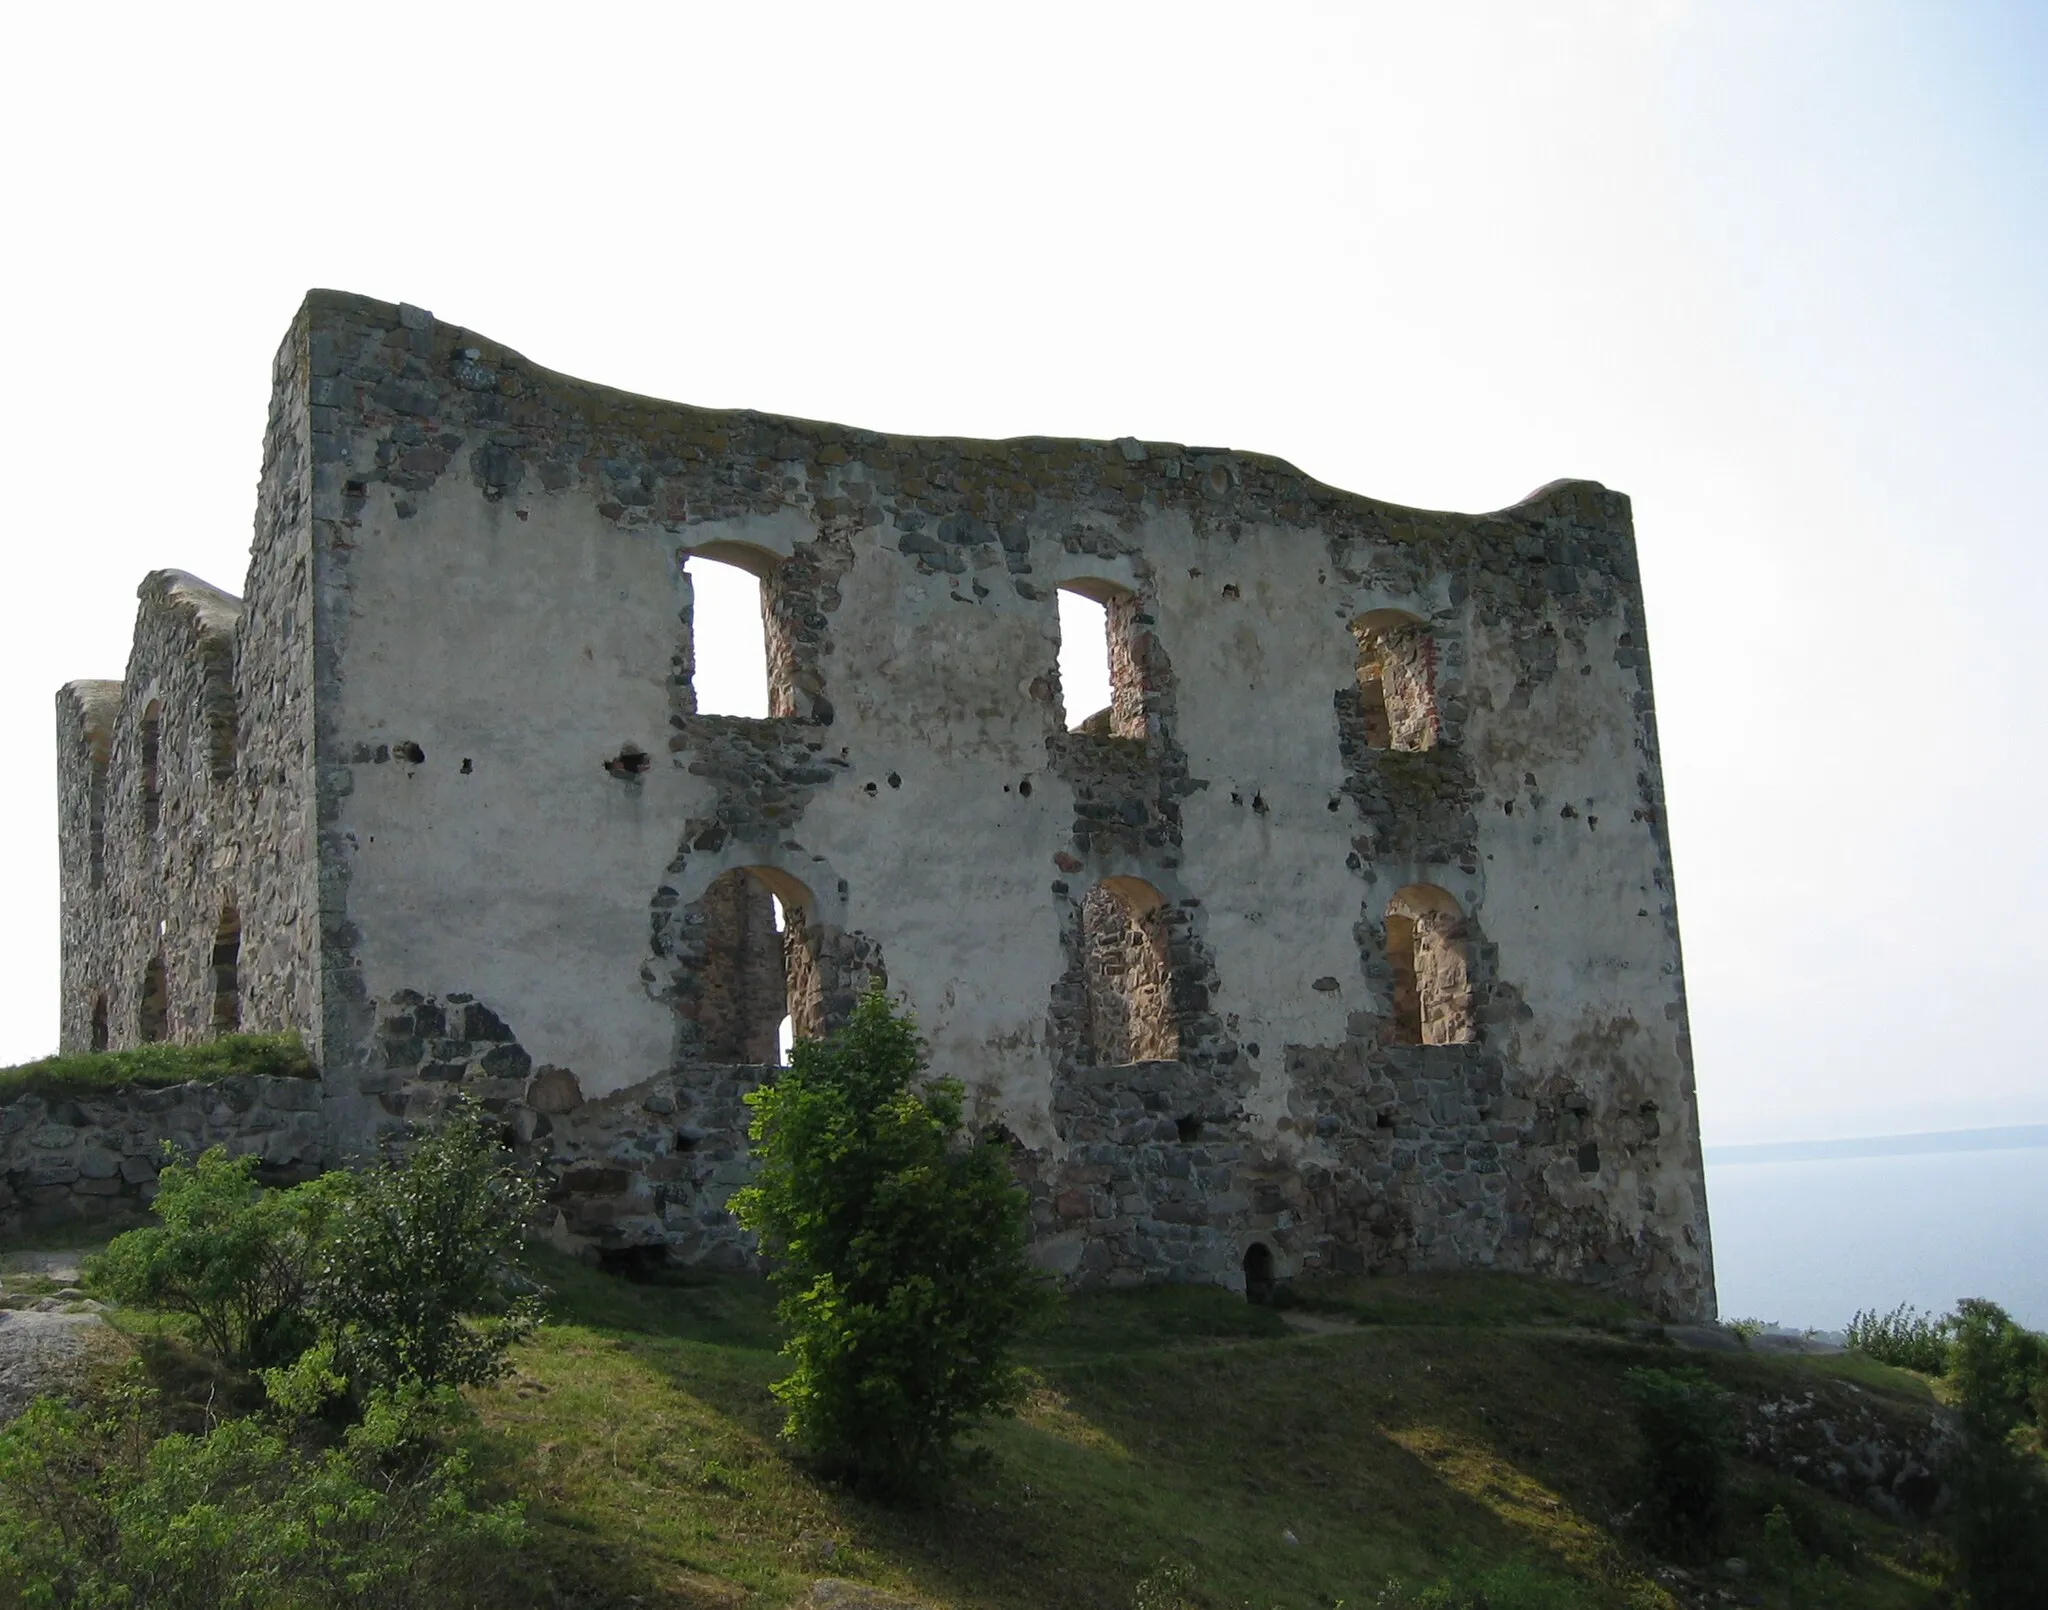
[[1466, 1429], [1466, 1434], [1461, 1299], [151, 1066]]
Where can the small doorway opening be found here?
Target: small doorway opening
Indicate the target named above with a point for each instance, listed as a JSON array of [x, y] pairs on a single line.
[[1258, 1273]]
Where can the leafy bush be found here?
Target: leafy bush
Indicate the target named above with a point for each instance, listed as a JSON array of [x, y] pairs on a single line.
[[1687, 1425], [387, 1270], [1164, 1587], [96, 1511], [1905, 1337], [901, 1250], [234, 1256], [413, 1251], [2000, 1373], [149, 1066]]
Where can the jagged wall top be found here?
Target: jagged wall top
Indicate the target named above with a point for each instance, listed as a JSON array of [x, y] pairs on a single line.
[[659, 462]]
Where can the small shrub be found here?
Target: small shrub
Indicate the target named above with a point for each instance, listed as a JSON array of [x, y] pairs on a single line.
[[2000, 1475], [1687, 1426], [901, 1252], [1164, 1587], [97, 1511], [408, 1286], [396, 1273], [1746, 1330], [1782, 1552], [1905, 1337], [234, 1256]]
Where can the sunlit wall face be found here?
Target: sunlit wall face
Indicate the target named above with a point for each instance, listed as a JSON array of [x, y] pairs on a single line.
[[1768, 269]]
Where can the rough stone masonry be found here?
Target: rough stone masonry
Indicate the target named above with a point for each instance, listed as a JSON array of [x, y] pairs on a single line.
[[1344, 939]]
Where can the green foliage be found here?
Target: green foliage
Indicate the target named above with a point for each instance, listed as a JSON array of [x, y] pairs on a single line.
[[234, 1256], [1746, 1330], [1782, 1552], [1905, 1338], [414, 1251], [901, 1252], [1997, 1367], [1687, 1426], [152, 1066], [387, 1270], [1164, 1587], [97, 1511], [2000, 1371]]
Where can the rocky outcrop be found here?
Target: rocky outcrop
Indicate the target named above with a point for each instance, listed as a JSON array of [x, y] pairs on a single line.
[[1872, 1451]]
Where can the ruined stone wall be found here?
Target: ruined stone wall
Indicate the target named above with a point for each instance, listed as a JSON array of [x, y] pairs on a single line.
[[95, 1157], [86, 714], [188, 874], [519, 808], [140, 936]]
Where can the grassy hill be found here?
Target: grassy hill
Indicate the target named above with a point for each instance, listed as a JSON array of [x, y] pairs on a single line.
[[1463, 1434]]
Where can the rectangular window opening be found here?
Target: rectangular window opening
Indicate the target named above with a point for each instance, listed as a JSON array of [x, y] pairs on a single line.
[[729, 639], [1085, 688]]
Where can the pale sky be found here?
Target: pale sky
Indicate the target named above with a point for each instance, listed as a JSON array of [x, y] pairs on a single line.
[[1773, 270]]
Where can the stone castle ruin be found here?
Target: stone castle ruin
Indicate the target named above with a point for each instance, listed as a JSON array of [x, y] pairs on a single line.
[[1343, 939]]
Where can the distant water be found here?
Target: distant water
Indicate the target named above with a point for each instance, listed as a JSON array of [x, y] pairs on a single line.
[[1806, 1241]]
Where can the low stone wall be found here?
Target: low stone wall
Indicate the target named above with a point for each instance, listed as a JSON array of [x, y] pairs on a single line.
[[65, 1158], [1389, 1158]]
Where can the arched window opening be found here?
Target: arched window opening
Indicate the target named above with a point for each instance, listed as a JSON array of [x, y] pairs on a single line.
[[153, 1016], [96, 806], [152, 777], [740, 659], [227, 961], [1101, 688], [759, 990], [1127, 976], [1426, 947], [1397, 680], [99, 1021], [220, 725], [1258, 1273]]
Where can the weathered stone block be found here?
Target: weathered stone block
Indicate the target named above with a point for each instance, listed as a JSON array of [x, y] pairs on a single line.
[[97, 1163]]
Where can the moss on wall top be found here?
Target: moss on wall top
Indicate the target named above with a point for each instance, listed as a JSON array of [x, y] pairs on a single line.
[[154, 1066]]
